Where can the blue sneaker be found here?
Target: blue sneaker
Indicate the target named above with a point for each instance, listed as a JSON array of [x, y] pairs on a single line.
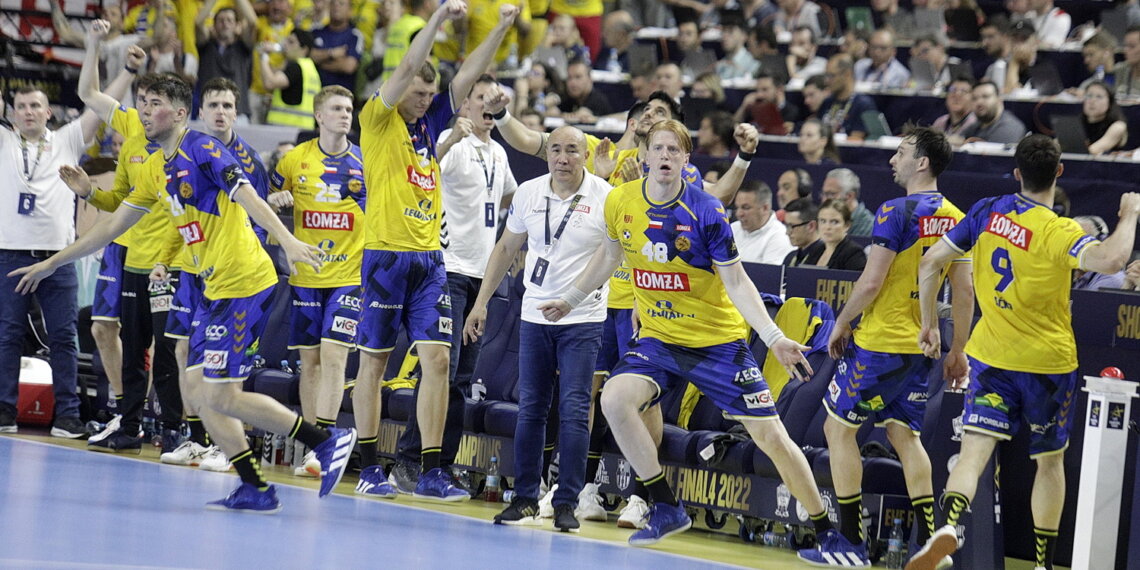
[[333, 454], [437, 485], [373, 482], [663, 521], [835, 551], [248, 499]]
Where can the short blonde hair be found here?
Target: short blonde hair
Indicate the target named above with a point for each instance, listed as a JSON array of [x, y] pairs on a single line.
[[328, 92], [678, 129]]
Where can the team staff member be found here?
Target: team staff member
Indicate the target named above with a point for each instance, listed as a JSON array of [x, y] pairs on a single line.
[[689, 285], [323, 180], [209, 198], [405, 282], [1022, 354]]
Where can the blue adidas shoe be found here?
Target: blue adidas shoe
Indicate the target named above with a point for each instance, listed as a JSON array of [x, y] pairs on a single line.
[[835, 551], [663, 520], [333, 454], [248, 499], [374, 482], [437, 485]]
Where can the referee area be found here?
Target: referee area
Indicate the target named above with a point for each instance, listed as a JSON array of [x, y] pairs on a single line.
[[77, 509]]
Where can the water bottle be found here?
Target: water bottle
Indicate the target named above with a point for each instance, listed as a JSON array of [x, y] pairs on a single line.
[[614, 64], [493, 492], [285, 367], [512, 61], [258, 361], [896, 546], [1099, 73], [297, 366], [478, 390]]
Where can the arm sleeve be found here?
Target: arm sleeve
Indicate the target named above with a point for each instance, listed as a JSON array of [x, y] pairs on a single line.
[[718, 237], [888, 226], [515, 221], [964, 235]]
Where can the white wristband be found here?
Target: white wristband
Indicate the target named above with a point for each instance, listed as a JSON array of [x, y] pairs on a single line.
[[502, 121], [771, 334], [574, 296]]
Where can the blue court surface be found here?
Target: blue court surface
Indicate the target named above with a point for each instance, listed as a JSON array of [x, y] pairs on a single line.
[[62, 507]]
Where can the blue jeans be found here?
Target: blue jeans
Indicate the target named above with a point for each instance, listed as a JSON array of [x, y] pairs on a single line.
[[57, 297], [570, 351]]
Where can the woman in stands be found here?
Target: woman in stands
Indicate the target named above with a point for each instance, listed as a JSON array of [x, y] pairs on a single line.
[[707, 86], [1105, 128], [816, 144], [839, 251], [540, 89], [563, 33]]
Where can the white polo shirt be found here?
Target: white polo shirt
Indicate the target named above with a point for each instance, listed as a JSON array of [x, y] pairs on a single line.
[[476, 176], [769, 244], [566, 256], [37, 210]]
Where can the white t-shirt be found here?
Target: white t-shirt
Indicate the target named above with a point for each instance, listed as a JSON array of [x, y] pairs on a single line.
[[476, 176], [566, 256], [769, 244], [34, 188]]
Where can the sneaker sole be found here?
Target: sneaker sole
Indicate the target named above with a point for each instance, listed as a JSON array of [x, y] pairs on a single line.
[[629, 525], [648, 542], [101, 449], [941, 545], [565, 529], [388, 496], [9, 429], [57, 432], [435, 499], [220, 508], [840, 562], [226, 470], [528, 521], [594, 516]]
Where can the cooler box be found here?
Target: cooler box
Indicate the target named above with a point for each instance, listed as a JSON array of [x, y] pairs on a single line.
[[36, 400]]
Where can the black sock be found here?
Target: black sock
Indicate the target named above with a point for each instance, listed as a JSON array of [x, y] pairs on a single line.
[[249, 469], [1045, 541], [924, 516], [953, 505], [592, 462], [308, 434], [851, 518], [640, 490], [198, 432], [659, 490], [368, 452], [823, 524], [118, 399], [325, 423], [429, 458]]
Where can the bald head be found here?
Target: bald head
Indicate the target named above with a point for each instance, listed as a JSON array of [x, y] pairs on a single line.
[[566, 154], [617, 29]]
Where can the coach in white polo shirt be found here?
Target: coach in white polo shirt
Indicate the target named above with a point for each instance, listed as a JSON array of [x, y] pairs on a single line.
[[760, 237], [559, 216], [37, 219], [476, 177]]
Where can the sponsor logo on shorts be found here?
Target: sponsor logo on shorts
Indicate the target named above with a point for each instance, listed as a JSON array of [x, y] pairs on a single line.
[[445, 325], [1003, 227], [379, 305], [444, 300], [656, 281], [216, 332], [350, 301], [976, 419], [300, 303], [110, 278], [344, 325], [637, 355], [761, 399], [1041, 429], [935, 226], [747, 376], [834, 391], [916, 397], [215, 359], [315, 220], [192, 233]]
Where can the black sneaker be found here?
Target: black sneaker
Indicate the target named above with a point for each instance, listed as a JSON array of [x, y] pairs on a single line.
[[7, 421], [462, 479], [118, 442], [522, 511], [69, 427], [564, 519], [405, 477], [171, 439]]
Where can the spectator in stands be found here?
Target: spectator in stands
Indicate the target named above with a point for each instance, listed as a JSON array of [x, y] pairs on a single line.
[[167, 54], [881, 69], [996, 44], [532, 119], [563, 33], [691, 55], [1127, 72], [959, 111], [994, 124], [295, 85], [338, 46], [714, 137], [643, 84], [792, 185], [113, 52], [541, 89], [763, 46], [816, 143], [1105, 127], [1052, 23], [931, 49], [1099, 56], [1026, 71], [815, 92], [272, 30], [583, 103], [588, 19], [843, 111], [855, 42], [794, 14], [802, 61], [278, 153], [803, 232], [769, 90], [707, 86], [887, 14], [315, 15], [842, 185], [1096, 227], [839, 252], [226, 48], [646, 13], [1019, 10], [760, 237], [668, 79], [737, 62], [617, 36]]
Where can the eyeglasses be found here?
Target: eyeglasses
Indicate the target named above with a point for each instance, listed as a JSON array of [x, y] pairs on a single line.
[[958, 90], [801, 224]]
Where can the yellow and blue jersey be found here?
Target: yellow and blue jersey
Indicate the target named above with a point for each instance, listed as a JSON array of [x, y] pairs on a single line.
[[254, 171], [402, 175], [197, 185], [908, 226], [328, 210], [673, 250], [1024, 255]]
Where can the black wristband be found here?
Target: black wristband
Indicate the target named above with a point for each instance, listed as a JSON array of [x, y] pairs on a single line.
[[500, 114], [131, 70], [745, 156]]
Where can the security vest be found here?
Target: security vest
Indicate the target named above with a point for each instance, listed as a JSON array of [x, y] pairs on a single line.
[[301, 114], [399, 40]]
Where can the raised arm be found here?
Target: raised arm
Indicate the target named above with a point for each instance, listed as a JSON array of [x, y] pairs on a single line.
[[67, 34], [482, 56], [866, 289], [1112, 254], [204, 33], [393, 89], [747, 137], [513, 130]]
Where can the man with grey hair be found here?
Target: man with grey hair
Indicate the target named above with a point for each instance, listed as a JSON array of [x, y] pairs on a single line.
[[760, 237], [842, 184]]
